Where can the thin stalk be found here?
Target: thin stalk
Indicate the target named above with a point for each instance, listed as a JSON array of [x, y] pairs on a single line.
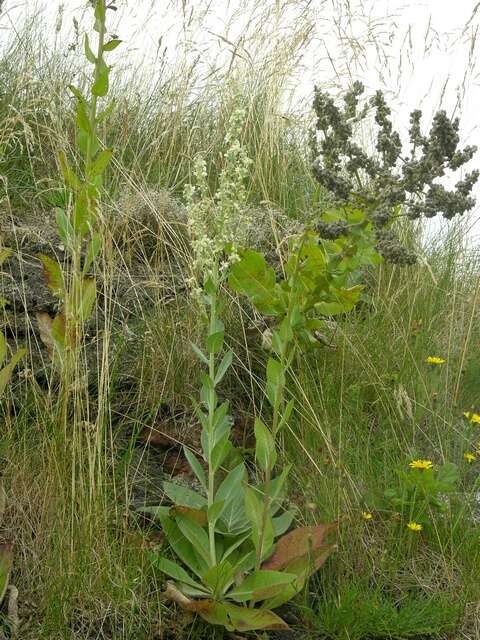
[[211, 426]]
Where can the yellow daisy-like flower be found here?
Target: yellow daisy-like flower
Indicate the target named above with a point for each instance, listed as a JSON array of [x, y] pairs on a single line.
[[366, 515], [469, 457], [421, 464], [472, 417], [414, 526], [435, 360]]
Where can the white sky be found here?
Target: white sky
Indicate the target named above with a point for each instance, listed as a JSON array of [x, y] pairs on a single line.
[[423, 52]]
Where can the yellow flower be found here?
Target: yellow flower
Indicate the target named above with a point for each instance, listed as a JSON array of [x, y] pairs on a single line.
[[469, 457], [421, 464], [414, 526], [366, 515], [472, 417], [435, 360]]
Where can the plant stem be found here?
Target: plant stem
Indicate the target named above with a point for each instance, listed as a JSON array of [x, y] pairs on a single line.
[[211, 427]]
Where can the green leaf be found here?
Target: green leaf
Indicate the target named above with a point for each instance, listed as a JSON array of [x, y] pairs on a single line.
[[184, 496], [196, 466], [93, 250], [88, 298], [200, 355], [112, 45], [100, 86], [82, 212], [214, 511], [265, 452], [88, 51], [252, 277], [195, 534], [52, 272], [173, 570], [181, 546], [216, 337], [101, 162], [69, 175], [220, 451], [219, 577], [282, 523], [261, 585], [236, 618], [275, 380], [65, 229], [82, 118], [254, 511], [223, 366]]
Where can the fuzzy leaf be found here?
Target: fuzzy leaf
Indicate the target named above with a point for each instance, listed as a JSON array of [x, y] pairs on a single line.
[[252, 277], [196, 466], [173, 570], [261, 585], [52, 272], [88, 297], [4, 254], [183, 496], [265, 452], [101, 162], [223, 366], [112, 45]]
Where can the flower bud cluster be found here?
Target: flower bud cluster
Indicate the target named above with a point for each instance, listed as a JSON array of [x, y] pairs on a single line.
[[223, 218]]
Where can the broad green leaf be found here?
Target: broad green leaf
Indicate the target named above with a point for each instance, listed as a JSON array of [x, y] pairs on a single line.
[[101, 162], [261, 585], [275, 380], [82, 213], [184, 549], [236, 618], [65, 228], [265, 452], [100, 86], [174, 571], [220, 451], [112, 45], [216, 337], [282, 523], [93, 250], [91, 57], [199, 353], [254, 511], [88, 298], [214, 511], [196, 466], [183, 496], [69, 175], [219, 577], [58, 332], [223, 366], [195, 534], [252, 277], [82, 119], [52, 272]]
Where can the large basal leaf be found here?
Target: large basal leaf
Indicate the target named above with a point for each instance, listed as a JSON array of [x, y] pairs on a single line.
[[196, 515], [184, 549], [299, 543], [261, 585], [173, 570], [230, 616]]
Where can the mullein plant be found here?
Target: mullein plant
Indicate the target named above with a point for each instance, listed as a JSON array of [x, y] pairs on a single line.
[[231, 536], [77, 225]]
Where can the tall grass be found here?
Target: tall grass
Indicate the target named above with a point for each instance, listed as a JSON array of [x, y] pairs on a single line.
[[368, 402]]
